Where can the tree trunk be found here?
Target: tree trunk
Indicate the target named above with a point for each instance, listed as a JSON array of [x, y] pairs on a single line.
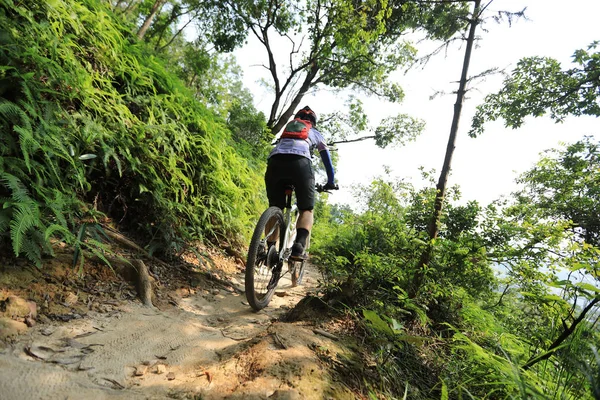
[[155, 9], [285, 116], [433, 227], [117, 5]]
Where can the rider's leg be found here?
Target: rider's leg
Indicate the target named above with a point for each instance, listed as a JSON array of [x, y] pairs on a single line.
[[303, 228], [275, 235], [274, 181], [305, 220]]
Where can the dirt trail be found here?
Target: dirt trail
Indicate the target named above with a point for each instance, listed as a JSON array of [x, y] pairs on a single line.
[[209, 345]]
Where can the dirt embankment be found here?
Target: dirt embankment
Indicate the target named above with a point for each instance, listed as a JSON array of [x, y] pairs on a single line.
[[202, 341]]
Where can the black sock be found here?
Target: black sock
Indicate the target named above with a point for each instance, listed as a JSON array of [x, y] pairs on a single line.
[[301, 236]]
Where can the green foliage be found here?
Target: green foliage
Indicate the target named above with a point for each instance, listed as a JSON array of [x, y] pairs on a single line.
[[566, 185], [336, 43], [491, 354], [378, 249], [248, 127], [21, 217], [90, 119], [539, 85], [216, 81], [488, 327], [552, 259]]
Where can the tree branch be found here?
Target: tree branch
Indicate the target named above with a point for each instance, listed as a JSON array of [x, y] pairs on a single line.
[[360, 139], [501, 297], [177, 33], [563, 336]]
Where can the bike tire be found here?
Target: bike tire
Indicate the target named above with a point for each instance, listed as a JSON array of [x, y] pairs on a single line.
[[297, 272], [258, 271]]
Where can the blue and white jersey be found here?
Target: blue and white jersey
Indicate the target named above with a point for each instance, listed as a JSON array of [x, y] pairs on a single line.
[[300, 147]]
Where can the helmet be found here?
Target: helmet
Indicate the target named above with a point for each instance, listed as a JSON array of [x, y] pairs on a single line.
[[307, 114]]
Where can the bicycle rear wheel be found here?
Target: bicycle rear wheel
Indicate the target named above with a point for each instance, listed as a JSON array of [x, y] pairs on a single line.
[[262, 261]]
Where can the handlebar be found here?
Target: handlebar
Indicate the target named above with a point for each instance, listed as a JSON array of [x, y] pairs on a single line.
[[321, 188]]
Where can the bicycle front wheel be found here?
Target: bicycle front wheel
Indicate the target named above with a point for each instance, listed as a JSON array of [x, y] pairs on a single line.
[[262, 259]]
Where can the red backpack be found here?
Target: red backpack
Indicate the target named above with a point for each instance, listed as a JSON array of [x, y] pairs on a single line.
[[297, 129]]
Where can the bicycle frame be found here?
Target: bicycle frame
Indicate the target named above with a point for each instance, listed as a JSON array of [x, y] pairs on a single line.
[[290, 230], [286, 237]]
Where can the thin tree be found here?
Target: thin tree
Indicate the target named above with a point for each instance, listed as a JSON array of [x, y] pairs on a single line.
[[148, 21], [434, 223]]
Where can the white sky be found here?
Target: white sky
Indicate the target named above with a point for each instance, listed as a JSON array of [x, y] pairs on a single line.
[[485, 168]]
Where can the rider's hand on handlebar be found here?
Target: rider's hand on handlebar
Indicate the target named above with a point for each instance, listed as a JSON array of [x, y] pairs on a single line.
[[326, 187], [330, 186]]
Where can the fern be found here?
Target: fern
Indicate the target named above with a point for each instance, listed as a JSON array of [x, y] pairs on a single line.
[[4, 218], [164, 160], [97, 245], [34, 246], [29, 97], [10, 112], [28, 144], [19, 191], [23, 219], [51, 230]]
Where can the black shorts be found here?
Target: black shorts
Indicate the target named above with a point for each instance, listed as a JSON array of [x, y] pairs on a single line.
[[290, 169]]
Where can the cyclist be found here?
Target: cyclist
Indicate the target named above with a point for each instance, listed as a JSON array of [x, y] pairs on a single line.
[[290, 164]]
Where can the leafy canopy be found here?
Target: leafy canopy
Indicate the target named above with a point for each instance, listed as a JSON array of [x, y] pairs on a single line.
[[566, 185], [337, 43], [539, 86]]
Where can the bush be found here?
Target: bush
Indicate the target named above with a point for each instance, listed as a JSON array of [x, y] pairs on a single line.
[[91, 122]]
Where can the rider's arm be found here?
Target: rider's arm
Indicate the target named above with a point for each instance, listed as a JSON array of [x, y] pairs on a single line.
[[326, 158]]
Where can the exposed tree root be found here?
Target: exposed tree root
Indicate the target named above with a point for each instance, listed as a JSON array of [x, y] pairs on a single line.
[[144, 283], [135, 272], [125, 242], [306, 308]]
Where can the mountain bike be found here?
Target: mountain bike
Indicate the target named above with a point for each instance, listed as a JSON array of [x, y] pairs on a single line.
[[270, 248]]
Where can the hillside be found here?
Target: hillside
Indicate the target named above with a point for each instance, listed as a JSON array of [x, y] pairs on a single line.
[[132, 164], [96, 127]]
